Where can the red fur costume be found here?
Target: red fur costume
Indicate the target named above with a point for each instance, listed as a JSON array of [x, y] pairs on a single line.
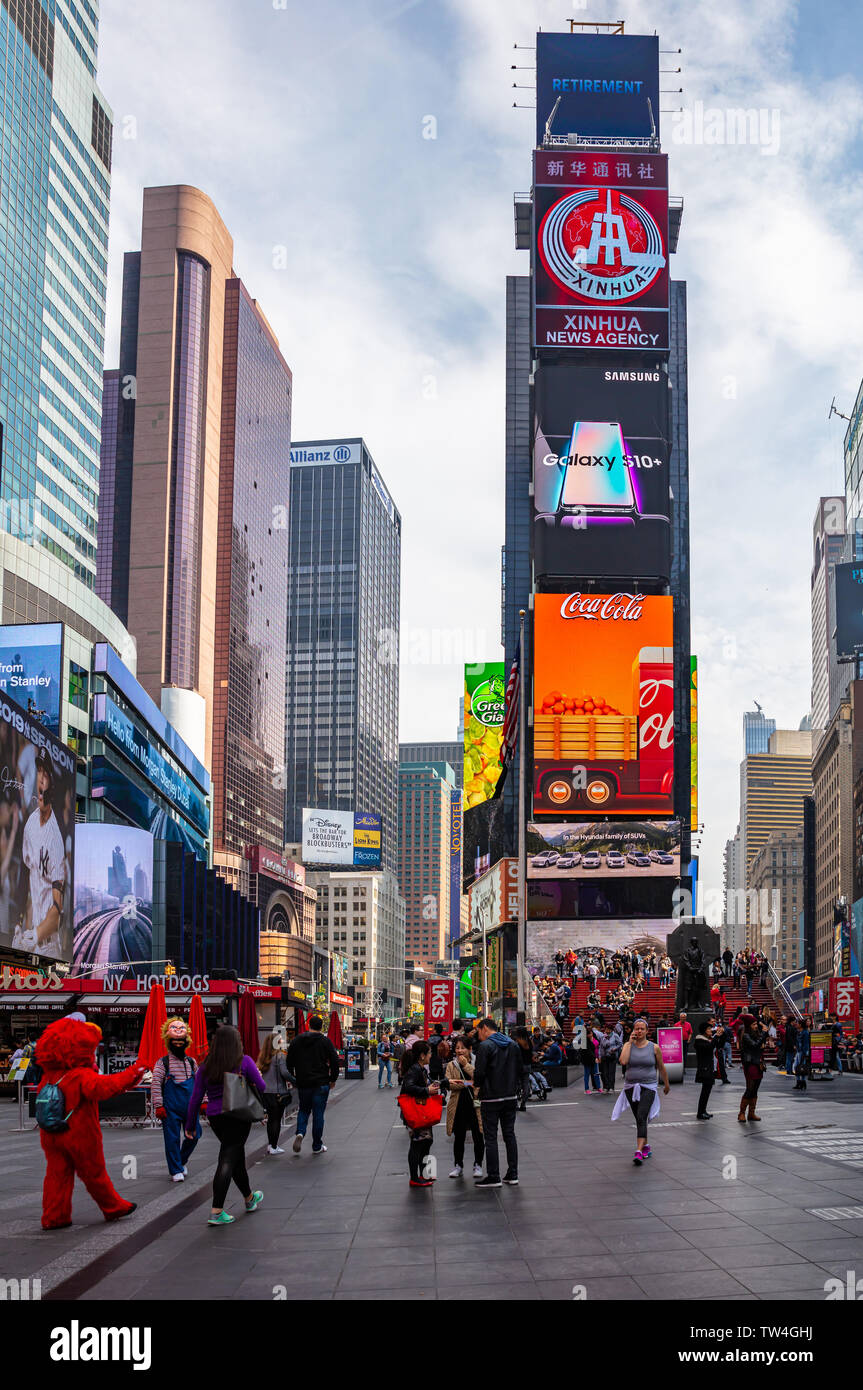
[[66, 1053]]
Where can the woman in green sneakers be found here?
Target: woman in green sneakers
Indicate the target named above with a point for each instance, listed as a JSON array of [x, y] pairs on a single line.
[[225, 1054]]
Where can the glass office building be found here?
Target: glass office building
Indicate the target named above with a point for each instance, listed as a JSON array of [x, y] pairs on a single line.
[[55, 172], [341, 743]]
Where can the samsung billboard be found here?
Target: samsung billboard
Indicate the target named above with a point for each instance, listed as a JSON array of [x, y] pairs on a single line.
[[603, 84]]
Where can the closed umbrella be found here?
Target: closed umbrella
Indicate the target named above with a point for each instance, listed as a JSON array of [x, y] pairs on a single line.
[[302, 1026], [199, 1046], [334, 1032], [248, 1023], [152, 1045]]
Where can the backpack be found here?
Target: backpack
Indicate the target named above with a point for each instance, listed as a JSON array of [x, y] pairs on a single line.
[[51, 1112], [444, 1051]]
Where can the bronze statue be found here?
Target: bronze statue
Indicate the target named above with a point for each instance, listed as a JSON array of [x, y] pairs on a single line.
[[692, 989]]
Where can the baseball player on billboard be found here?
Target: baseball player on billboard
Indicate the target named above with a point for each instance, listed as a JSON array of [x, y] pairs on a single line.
[[44, 855]]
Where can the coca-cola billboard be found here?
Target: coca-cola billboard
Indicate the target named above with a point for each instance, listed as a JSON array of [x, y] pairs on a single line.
[[603, 722]]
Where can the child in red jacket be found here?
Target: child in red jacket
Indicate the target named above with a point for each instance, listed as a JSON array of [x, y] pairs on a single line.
[[66, 1053]]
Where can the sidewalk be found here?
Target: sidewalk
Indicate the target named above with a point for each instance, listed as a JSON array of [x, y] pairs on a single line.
[[721, 1210]]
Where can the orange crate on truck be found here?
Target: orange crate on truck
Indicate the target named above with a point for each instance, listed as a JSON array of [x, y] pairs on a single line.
[[587, 737]]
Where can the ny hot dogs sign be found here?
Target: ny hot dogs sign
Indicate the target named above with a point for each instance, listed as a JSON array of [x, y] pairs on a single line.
[[603, 705]]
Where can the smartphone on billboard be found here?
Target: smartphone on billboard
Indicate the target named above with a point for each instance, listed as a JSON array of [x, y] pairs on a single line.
[[602, 483]]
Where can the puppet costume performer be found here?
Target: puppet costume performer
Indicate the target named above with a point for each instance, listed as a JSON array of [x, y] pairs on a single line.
[[173, 1080], [66, 1052]]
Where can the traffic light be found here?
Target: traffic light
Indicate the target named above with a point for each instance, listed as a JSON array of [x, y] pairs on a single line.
[[365, 977], [170, 969]]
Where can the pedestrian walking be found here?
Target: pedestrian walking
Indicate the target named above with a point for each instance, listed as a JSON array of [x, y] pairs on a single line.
[[589, 1063], [727, 961], [803, 1057], [791, 1038], [752, 1041], [314, 1062], [385, 1061], [419, 1086], [525, 1046], [278, 1093], [664, 972], [645, 1069], [704, 1067], [225, 1055], [496, 1077], [609, 1051], [170, 1093], [462, 1111]]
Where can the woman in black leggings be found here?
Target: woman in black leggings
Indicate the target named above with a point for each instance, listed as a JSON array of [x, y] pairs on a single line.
[[225, 1055], [417, 1083], [705, 1067]]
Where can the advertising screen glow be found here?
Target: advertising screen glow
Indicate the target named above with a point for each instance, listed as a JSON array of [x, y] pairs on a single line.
[[113, 899]]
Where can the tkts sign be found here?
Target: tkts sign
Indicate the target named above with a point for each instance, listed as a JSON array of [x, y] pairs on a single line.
[[601, 251], [845, 1001], [439, 1005]]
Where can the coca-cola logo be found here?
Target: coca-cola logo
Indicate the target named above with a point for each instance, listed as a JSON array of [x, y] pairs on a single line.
[[657, 727], [627, 607]]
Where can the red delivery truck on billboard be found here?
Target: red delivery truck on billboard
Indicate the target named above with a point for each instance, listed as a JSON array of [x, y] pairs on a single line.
[[603, 734]]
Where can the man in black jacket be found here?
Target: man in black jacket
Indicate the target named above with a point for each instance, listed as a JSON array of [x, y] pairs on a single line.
[[496, 1078], [314, 1063]]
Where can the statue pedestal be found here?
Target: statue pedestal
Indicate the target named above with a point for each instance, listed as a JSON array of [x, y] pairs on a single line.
[[697, 1017]]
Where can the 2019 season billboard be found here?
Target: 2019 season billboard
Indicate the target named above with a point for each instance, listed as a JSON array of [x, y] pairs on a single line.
[[849, 608], [603, 726], [604, 84], [31, 669], [113, 898], [484, 710], [601, 249], [584, 849], [600, 471], [37, 836], [342, 839]]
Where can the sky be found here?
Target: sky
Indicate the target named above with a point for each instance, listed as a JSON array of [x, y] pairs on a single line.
[[364, 154]]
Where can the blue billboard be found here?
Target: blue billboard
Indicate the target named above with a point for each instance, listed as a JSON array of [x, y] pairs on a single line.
[[31, 669], [107, 783], [608, 84], [111, 724]]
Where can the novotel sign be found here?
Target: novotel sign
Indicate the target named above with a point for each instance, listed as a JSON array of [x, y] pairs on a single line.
[[327, 451]]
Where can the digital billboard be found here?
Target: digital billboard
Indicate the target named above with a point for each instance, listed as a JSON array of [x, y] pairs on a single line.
[[113, 899], [601, 249], [545, 939], [607, 85], [849, 608], [455, 846], [115, 726], [605, 894], [109, 784], [37, 836], [587, 849], [601, 494], [485, 839], [693, 741], [603, 726], [31, 669], [341, 839], [484, 710]]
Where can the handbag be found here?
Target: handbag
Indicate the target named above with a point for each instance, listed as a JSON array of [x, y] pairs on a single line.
[[240, 1099], [475, 1098], [420, 1114]]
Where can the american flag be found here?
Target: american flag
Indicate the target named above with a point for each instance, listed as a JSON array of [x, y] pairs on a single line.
[[510, 722]]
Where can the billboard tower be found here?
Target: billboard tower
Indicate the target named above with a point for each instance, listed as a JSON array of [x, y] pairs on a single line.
[[606, 581]]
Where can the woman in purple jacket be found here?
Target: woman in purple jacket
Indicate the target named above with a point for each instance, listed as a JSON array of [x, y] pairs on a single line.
[[225, 1054]]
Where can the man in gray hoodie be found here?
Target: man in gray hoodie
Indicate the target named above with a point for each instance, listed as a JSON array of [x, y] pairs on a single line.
[[496, 1078]]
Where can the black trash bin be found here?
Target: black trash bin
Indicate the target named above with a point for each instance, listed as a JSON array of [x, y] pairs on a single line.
[[355, 1062]]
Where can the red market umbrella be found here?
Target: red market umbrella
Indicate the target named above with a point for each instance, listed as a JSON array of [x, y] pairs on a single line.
[[334, 1032], [302, 1026], [152, 1045], [248, 1025], [199, 1046]]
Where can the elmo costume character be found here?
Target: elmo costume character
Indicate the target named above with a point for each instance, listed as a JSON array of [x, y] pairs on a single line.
[[66, 1053]]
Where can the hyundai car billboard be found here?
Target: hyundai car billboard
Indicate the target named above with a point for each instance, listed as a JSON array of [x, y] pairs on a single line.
[[585, 849], [37, 836], [600, 471], [597, 84], [603, 725], [601, 249], [113, 899]]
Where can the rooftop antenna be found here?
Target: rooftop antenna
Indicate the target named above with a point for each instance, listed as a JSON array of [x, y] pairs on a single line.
[[834, 411], [652, 121], [550, 119], [758, 707]]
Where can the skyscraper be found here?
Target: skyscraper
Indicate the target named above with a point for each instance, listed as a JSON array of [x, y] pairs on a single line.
[[200, 458], [757, 729], [424, 858], [56, 185], [828, 545], [341, 738]]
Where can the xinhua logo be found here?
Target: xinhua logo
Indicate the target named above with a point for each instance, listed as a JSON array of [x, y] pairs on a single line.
[[601, 246]]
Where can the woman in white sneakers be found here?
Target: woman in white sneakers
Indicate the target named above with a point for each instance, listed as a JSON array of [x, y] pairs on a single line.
[[462, 1114], [644, 1067]]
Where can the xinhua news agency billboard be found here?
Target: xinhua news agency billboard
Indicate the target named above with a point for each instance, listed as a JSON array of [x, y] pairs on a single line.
[[31, 669], [608, 84], [603, 725], [849, 608], [601, 249], [600, 470], [484, 710], [341, 839]]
